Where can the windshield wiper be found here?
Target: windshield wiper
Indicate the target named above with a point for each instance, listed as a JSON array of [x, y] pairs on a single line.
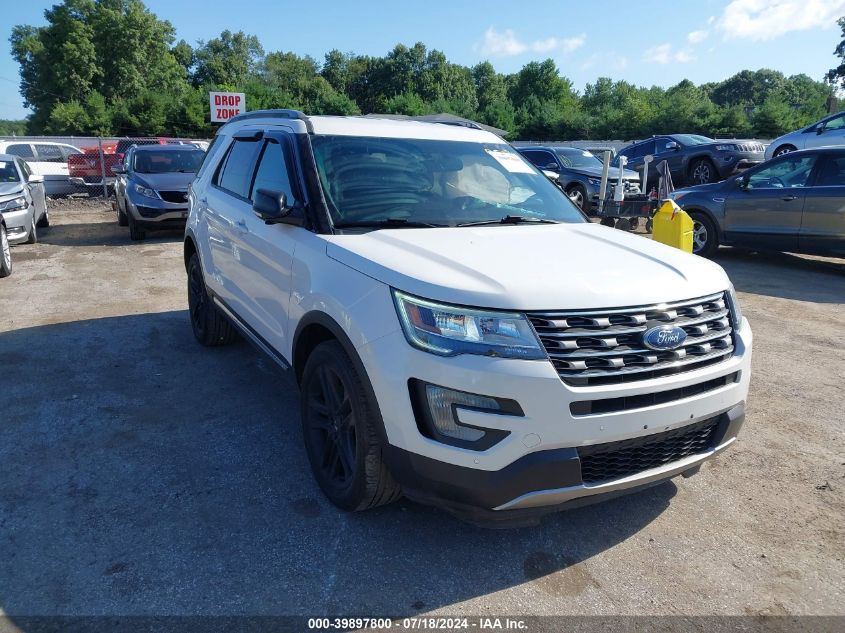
[[388, 223], [511, 219]]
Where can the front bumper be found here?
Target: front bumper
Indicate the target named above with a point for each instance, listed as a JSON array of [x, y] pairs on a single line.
[[154, 213], [536, 468], [17, 224]]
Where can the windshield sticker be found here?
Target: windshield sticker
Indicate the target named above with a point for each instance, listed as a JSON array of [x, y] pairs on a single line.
[[510, 161]]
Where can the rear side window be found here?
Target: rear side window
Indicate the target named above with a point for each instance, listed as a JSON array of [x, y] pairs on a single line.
[[832, 173], [236, 173], [20, 149], [272, 172], [49, 154], [69, 151], [539, 158]]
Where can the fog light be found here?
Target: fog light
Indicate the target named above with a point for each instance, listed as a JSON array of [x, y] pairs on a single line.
[[442, 403]]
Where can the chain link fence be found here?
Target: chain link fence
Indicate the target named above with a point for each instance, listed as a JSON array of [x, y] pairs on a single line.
[[80, 165]]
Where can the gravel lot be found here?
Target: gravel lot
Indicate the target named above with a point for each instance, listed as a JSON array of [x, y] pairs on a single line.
[[143, 474]]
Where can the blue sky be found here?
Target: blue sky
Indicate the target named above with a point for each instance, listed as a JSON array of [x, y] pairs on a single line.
[[657, 42]]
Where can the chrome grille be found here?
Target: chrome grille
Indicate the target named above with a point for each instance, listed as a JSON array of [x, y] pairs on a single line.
[[605, 346], [750, 147]]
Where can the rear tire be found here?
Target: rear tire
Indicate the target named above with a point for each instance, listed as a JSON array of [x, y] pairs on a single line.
[[705, 240], [5, 253], [210, 327], [339, 430], [136, 233]]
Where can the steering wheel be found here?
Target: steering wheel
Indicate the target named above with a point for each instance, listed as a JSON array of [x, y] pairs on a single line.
[[777, 182]]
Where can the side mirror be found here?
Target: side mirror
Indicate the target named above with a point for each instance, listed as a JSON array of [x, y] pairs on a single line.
[[820, 129], [272, 207], [672, 146], [118, 169], [742, 182], [35, 178], [551, 167]]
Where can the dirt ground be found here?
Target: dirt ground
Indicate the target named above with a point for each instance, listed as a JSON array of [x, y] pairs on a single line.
[[143, 474]]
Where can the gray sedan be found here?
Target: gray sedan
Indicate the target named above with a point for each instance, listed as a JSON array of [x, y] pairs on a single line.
[[22, 200], [829, 131], [794, 202]]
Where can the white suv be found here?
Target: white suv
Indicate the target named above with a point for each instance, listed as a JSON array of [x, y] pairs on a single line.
[[460, 333]]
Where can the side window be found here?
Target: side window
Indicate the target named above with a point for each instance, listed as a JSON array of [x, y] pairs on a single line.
[[48, 153], [68, 151], [836, 123], [832, 173], [272, 172], [539, 158], [236, 173], [786, 173], [24, 150]]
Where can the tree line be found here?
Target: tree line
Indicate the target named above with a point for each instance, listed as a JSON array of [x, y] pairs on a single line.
[[112, 67]]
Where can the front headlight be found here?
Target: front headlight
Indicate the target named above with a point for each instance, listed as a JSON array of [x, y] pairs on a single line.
[[14, 204], [729, 147], [452, 330], [145, 191], [595, 182], [733, 305]]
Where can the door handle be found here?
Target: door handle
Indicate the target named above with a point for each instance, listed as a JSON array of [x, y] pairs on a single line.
[[789, 198]]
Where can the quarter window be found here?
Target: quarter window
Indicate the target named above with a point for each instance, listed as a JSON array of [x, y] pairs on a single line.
[[272, 173], [24, 150], [832, 173], [236, 173]]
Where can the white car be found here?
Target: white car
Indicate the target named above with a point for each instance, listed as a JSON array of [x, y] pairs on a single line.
[[22, 200], [829, 131], [46, 159], [460, 333]]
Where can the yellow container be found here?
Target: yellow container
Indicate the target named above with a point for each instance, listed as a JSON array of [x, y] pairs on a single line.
[[673, 226]]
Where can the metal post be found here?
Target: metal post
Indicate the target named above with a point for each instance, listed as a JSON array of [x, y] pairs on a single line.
[[102, 166], [604, 173], [646, 160], [619, 191]]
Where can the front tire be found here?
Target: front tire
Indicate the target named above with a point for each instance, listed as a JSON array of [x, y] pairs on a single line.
[[578, 195], [136, 233], [5, 253], [339, 430], [122, 220], [705, 240], [210, 327], [32, 238], [702, 172], [784, 149]]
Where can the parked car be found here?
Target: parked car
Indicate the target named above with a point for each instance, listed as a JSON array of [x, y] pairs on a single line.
[[829, 131], [434, 294], [5, 251], [579, 173], [151, 186], [46, 159], [692, 159], [22, 200], [794, 202]]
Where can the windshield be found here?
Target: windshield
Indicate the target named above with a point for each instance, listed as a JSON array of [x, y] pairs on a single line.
[[369, 179], [692, 139], [577, 158], [163, 161], [8, 172]]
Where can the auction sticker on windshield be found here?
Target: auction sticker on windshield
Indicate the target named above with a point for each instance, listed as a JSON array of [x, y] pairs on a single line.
[[510, 161]]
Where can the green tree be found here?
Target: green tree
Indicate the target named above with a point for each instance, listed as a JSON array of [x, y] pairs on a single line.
[[836, 75], [228, 60]]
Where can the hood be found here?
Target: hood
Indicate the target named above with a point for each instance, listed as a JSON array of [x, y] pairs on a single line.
[[613, 174], [713, 186], [529, 267], [10, 188], [168, 181]]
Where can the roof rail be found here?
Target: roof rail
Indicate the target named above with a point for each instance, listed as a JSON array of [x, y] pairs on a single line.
[[279, 113]]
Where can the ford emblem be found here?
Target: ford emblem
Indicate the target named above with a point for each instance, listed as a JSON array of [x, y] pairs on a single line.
[[664, 337]]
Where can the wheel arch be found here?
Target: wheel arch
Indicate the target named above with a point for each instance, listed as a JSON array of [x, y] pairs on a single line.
[[707, 212], [189, 249], [700, 156], [317, 327]]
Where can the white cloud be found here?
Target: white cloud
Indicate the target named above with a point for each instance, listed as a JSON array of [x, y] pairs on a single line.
[[663, 54], [696, 37], [711, 19], [768, 19], [507, 44]]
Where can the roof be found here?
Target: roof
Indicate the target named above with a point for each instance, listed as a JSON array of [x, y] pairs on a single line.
[[389, 127], [442, 117]]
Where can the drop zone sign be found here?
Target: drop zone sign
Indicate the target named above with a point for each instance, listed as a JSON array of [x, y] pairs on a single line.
[[225, 105]]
